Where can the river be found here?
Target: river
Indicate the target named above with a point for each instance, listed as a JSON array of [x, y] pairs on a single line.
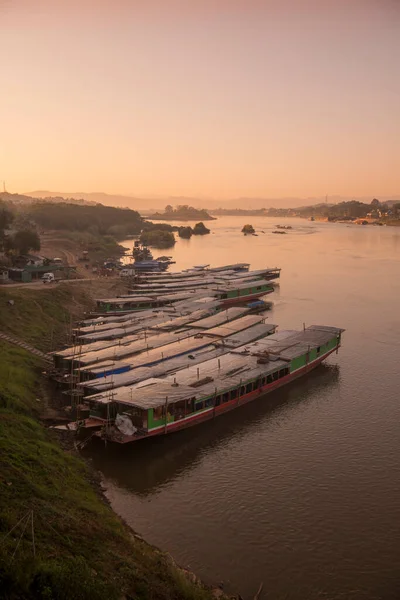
[[300, 490]]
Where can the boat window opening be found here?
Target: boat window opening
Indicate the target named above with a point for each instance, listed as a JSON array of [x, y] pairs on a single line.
[[209, 402], [157, 413], [199, 406], [224, 296], [180, 409], [225, 397], [263, 381], [234, 394], [217, 400], [257, 384], [275, 375], [249, 388], [242, 390], [318, 349], [281, 373], [269, 379]]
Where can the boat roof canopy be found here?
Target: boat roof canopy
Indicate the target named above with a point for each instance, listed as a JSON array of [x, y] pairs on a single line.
[[222, 373]]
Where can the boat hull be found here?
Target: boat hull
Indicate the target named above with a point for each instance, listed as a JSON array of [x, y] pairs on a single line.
[[226, 302]]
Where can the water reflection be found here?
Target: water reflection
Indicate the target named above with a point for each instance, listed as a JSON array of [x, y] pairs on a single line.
[[145, 467], [301, 490]]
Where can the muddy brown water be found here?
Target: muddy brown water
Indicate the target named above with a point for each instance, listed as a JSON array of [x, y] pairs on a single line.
[[301, 489]]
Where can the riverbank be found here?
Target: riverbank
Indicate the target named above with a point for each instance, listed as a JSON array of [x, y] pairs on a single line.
[[60, 537]]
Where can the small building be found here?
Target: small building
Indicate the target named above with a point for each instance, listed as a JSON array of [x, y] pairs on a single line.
[[34, 261], [4, 274], [30, 273]]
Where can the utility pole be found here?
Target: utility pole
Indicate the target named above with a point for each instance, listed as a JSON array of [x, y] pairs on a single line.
[[4, 186]]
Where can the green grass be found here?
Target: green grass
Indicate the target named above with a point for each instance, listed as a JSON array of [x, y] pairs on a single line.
[[42, 316], [98, 246], [83, 550]]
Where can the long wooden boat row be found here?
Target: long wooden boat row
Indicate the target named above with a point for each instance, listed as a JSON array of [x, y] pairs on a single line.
[[156, 406], [183, 348]]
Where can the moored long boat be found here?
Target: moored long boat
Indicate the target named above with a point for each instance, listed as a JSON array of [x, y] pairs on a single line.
[[196, 394], [229, 294]]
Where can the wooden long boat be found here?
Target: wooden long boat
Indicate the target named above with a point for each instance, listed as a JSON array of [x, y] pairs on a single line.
[[208, 390], [230, 295]]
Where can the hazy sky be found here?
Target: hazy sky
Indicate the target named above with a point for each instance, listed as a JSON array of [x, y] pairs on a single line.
[[209, 98]]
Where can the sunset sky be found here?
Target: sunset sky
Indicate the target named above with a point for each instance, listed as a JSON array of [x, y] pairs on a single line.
[[214, 99]]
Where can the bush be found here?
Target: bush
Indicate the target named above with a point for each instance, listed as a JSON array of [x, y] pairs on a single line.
[[148, 226], [24, 241], [70, 579], [157, 238], [185, 232], [98, 219]]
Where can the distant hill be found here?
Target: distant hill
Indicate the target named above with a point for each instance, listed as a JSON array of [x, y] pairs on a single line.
[[116, 200], [84, 198], [145, 204], [16, 198], [149, 204], [29, 199]]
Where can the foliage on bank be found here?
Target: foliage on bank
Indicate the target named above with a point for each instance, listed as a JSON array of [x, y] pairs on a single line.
[[185, 232], [98, 219], [182, 212], [158, 238], [77, 548], [23, 239]]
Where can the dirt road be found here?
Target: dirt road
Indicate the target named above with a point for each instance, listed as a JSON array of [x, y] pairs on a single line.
[[40, 285]]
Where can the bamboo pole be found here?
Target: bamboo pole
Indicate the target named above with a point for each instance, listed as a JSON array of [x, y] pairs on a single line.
[[166, 414]]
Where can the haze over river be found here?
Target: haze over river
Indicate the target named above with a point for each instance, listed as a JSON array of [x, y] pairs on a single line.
[[300, 489]]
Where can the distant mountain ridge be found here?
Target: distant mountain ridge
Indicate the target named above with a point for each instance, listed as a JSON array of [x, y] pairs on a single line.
[[153, 203]]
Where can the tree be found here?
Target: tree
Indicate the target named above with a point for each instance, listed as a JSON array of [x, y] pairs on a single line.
[[375, 203], [6, 218], [185, 232], [157, 238], [169, 209], [24, 241]]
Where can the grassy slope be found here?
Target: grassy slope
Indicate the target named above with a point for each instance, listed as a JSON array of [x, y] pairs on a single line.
[[82, 549]]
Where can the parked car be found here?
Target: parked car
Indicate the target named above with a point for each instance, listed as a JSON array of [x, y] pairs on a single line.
[[48, 277], [127, 272]]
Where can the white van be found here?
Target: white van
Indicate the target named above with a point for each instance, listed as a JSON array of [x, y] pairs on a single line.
[[126, 272], [48, 277]]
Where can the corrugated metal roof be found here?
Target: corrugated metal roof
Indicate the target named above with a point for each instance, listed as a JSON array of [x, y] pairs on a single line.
[[197, 356], [224, 316], [169, 365], [226, 371], [119, 351], [234, 326], [183, 320], [154, 355], [122, 323]]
